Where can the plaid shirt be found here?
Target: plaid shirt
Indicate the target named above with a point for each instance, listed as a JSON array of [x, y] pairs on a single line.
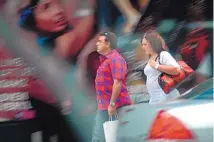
[[113, 66]]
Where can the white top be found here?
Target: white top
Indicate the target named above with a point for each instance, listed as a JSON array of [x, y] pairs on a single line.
[[156, 93]]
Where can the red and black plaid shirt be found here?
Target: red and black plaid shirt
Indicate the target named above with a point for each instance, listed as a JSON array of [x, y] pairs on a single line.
[[112, 67]]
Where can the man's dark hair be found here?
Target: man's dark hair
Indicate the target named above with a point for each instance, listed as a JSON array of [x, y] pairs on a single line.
[[111, 38]]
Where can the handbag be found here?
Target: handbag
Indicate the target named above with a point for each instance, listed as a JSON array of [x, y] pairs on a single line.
[[169, 82], [110, 129]]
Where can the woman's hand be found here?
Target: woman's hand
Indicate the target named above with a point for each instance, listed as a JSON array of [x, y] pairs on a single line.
[[152, 63]]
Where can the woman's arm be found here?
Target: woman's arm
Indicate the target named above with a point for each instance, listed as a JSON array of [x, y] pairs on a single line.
[[166, 64], [171, 70], [81, 17], [70, 43]]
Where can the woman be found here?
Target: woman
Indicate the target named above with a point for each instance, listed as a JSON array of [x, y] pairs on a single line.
[[160, 61], [47, 18]]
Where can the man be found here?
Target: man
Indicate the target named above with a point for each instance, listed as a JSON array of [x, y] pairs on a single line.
[[110, 85]]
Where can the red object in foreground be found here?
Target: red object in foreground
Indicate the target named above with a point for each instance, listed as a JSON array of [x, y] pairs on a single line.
[[168, 127]]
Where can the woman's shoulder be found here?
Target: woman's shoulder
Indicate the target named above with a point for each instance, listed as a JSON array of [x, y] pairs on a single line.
[[165, 56], [163, 53]]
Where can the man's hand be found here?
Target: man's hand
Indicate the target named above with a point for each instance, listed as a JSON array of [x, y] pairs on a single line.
[[111, 110]]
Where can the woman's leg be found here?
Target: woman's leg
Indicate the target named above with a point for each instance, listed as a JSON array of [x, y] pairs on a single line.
[[131, 15]]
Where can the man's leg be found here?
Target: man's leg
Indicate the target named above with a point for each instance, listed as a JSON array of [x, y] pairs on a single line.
[[98, 132]]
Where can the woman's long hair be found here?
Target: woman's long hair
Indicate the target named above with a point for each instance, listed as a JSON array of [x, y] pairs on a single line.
[[156, 41], [26, 19]]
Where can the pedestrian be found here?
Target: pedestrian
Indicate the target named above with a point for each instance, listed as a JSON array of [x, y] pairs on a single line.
[[110, 83], [160, 61]]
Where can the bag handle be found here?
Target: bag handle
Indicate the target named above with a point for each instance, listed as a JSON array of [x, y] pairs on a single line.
[[111, 118], [158, 57]]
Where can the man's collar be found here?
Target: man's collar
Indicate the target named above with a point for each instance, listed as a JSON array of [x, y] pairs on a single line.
[[110, 53], [103, 57]]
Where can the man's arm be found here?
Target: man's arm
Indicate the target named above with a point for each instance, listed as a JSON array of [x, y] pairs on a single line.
[[116, 90], [118, 69]]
